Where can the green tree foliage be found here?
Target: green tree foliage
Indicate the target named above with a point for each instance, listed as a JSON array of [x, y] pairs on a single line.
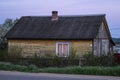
[[4, 28], [8, 23]]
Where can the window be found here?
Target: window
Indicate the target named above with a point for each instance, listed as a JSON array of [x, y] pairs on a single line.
[[62, 49]]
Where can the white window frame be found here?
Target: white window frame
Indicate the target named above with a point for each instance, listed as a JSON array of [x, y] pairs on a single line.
[[62, 47]]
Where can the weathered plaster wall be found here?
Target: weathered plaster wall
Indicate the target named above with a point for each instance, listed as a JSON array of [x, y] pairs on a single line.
[[30, 47]]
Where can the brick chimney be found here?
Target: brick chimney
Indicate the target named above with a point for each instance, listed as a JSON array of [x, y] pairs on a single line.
[[54, 15]]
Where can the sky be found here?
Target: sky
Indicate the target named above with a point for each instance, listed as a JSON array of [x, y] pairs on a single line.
[[16, 8]]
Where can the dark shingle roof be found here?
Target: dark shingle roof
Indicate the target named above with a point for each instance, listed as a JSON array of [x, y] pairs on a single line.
[[66, 27]]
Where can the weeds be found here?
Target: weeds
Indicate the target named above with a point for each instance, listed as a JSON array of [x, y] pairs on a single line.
[[91, 70], [103, 60]]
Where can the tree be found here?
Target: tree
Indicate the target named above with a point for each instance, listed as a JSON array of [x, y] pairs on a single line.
[[15, 21], [8, 23], [4, 28]]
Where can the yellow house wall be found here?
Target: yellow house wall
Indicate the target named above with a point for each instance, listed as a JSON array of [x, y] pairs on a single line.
[[30, 47]]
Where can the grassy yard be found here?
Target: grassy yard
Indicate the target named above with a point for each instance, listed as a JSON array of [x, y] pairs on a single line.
[[87, 70]]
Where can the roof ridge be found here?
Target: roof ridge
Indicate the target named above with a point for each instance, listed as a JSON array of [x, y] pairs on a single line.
[[82, 15], [88, 15]]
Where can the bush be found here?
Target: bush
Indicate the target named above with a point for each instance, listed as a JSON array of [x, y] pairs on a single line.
[[33, 68], [54, 62], [103, 60], [44, 62], [15, 52], [9, 66], [72, 54], [3, 53]]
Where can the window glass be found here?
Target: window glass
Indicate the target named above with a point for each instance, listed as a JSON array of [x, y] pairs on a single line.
[[62, 49]]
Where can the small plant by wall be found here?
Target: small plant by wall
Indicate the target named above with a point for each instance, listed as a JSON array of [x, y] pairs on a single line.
[[72, 54], [15, 52], [46, 60], [14, 55], [3, 53], [102, 60]]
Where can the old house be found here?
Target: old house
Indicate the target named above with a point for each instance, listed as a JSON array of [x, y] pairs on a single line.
[[58, 35]]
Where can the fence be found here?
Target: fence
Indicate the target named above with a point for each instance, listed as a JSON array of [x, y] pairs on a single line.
[[44, 62]]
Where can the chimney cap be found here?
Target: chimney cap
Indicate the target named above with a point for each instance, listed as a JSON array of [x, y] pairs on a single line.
[[54, 11]]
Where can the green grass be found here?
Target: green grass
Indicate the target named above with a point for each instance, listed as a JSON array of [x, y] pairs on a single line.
[[88, 70], [109, 71]]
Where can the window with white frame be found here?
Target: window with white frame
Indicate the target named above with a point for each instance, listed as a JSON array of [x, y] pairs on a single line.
[[62, 49]]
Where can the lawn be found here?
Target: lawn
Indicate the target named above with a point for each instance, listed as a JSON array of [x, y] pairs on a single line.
[[87, 70]]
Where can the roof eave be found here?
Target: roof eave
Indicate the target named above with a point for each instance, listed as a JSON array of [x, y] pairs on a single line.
[[49, 39]]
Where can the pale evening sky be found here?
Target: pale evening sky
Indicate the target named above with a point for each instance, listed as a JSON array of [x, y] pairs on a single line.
[[17, 8]]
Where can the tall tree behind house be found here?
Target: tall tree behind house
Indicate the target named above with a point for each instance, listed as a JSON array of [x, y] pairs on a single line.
[[4, 28]]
